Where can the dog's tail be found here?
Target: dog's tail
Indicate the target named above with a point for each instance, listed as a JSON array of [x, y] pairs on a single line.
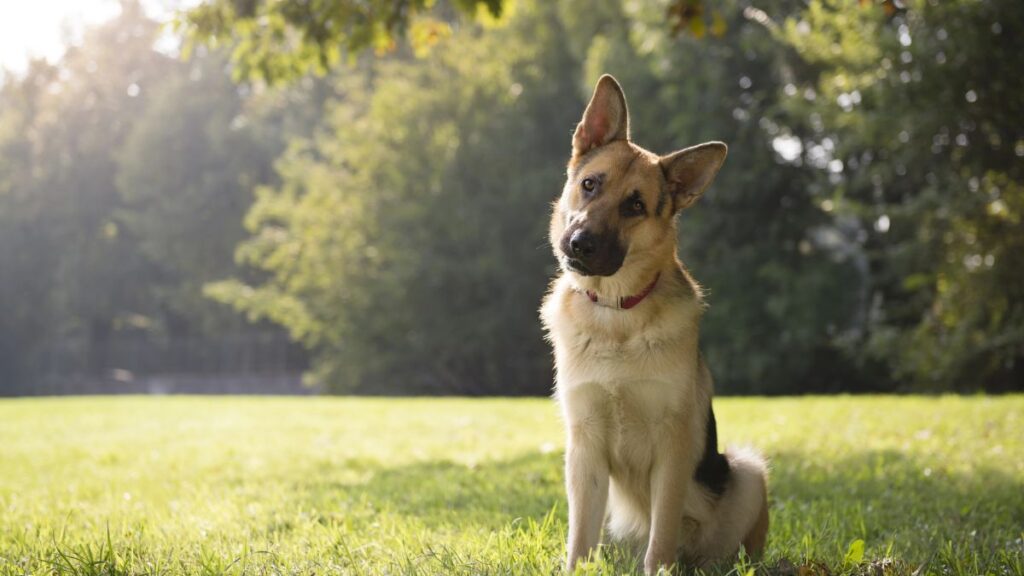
[[749, 500], [740, 514]]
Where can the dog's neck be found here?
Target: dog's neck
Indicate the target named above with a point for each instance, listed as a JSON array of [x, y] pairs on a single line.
[[632, 285], [623, 302]]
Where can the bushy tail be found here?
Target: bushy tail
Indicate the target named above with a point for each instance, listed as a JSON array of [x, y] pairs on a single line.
[[740, 515], [751, 510]]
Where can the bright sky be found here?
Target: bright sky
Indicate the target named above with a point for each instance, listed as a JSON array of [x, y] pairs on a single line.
[[34, 28]]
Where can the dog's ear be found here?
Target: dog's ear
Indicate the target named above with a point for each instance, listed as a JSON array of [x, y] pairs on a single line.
[[689, 171], [605, 120]]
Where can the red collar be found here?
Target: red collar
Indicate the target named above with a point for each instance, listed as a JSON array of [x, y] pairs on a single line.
[[624, 303]]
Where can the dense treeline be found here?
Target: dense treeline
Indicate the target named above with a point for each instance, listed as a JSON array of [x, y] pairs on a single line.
[[865, 234], [124, 177]]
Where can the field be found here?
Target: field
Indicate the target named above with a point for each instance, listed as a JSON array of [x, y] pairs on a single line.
[[188, 485]]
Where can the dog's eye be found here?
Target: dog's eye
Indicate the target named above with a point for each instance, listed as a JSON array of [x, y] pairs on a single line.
[[633, 205], [589, 184], [637, 207]]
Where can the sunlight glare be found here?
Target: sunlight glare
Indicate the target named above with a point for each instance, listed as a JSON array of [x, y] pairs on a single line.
[[44, 28]]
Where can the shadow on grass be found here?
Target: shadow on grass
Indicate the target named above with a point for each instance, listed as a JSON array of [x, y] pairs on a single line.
[[898, 505], [488, 495]]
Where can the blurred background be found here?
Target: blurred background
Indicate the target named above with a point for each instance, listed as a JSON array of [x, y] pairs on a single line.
[[331, 196]]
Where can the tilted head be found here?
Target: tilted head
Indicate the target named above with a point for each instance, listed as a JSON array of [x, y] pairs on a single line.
[[617, 210]]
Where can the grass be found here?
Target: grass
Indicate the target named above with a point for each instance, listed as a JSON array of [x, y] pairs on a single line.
[[181, 485]]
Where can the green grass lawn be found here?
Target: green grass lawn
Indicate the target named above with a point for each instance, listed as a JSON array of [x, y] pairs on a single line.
[[185, 485]]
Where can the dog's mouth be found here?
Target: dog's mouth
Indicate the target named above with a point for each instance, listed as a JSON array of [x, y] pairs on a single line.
[[593, 269], [578, 266]]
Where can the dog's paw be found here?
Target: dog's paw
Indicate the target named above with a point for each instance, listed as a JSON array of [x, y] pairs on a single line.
[[658, 563]]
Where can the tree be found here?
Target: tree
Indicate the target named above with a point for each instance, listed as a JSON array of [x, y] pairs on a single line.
[[70, 264], [406, 244], [285, 39], [912, 118], [27, 250], [124, 177], [185, 175]]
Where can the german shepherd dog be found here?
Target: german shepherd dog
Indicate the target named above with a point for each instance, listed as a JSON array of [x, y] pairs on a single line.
[[634, 390]]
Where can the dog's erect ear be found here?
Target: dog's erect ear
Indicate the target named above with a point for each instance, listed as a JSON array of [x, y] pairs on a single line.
[[691, 170], [605, 120]]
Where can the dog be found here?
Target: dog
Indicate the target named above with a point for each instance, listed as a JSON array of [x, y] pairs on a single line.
[[635, 393]]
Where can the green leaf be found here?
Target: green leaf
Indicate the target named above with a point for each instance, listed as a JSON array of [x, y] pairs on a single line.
[[855, 553]]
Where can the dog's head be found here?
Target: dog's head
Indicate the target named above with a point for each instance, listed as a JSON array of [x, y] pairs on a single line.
[[618, 207]]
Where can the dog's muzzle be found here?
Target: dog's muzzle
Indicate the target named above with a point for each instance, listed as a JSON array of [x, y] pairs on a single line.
[[591, 254]]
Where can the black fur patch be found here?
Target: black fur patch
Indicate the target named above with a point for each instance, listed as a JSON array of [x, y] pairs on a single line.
[[662, 201], [713, 470], [626, 207]]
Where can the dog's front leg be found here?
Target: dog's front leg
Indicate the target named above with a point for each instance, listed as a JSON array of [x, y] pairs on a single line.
[[586, 482], [668, 495]]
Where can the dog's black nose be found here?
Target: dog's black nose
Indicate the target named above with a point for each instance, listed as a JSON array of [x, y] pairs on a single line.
[[582, 243]]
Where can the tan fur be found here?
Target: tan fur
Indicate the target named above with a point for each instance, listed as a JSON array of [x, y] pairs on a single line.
[[633, 388], [757, 537]]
